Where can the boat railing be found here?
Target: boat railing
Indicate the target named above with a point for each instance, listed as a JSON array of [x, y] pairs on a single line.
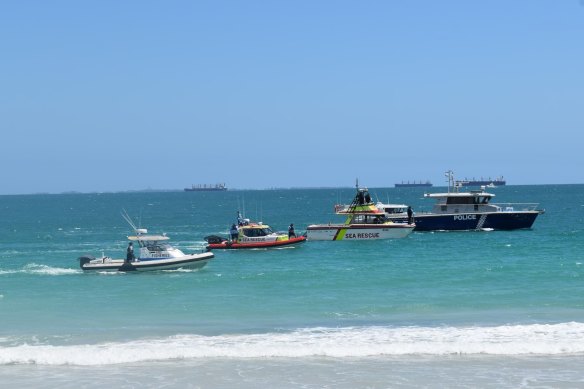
[[512, 207]]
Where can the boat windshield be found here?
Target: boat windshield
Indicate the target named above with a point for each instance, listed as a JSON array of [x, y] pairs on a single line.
[[369, 219], [254, 232], [393, 210], [468, 200], [155, 246], [483, 200]]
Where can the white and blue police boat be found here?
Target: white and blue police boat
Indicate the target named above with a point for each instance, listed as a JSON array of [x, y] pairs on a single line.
[[462, 211], [154, 253]]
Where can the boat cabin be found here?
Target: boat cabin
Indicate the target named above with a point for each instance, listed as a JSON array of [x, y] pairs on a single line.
[[367, 219], [255, 230], [153, 246], [455, 202], [393, 209]]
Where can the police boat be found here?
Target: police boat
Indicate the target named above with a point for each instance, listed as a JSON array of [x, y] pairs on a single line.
[[462, 211]]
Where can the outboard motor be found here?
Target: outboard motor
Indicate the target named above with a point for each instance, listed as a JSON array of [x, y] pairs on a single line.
[[85, 259], [214, 239]]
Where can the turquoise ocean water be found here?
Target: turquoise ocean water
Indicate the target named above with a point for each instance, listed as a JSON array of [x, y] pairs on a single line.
[[455, 309]]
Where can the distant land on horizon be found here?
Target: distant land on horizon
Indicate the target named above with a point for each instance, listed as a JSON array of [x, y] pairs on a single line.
[[149, 190]]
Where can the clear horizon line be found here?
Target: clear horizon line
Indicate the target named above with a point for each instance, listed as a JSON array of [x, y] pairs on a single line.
[[149, 190]]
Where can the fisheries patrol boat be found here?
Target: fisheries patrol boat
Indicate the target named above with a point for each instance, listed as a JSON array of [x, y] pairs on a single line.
[[364, 221], [154, 254], [459, 211], [253, 236]]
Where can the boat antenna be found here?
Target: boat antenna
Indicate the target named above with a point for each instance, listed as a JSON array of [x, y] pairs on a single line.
[[241, 206], [448, 175], [140, 218], [128, 219]]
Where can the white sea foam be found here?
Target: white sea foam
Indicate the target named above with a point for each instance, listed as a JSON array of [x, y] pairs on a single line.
[[537, 339], [49, 270], [180, 270]]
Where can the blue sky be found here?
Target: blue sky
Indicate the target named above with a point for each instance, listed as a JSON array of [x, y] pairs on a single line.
[[124, 95]]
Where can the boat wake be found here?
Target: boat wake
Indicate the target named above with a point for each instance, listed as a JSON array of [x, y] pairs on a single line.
[[350, 342], [180, 270], [33, 268]]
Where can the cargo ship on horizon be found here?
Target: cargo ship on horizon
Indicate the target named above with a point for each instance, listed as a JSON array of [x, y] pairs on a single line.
[[409, 184], [499, 181], [206, 188]]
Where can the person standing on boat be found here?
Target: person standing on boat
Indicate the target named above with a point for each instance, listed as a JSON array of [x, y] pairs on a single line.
[[291, 233], [239, 219], [410, 215], [130, 253], [234, 232]]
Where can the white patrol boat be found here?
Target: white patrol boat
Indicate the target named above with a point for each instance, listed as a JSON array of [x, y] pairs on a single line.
[[153, 254], [364, 222]]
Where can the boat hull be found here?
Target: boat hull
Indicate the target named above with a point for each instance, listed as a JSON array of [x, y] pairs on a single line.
[[475, 221], [358, 231], [226, 245], [192, 261]]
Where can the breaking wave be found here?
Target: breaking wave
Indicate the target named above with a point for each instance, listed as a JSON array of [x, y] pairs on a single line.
[[536, 339]]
